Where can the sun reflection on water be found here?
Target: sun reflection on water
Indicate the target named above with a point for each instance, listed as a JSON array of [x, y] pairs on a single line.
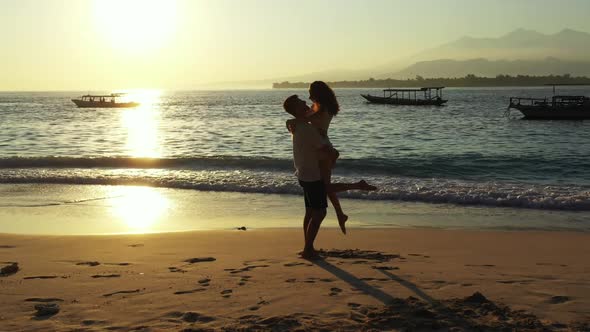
[[142, 124], [139, 207]]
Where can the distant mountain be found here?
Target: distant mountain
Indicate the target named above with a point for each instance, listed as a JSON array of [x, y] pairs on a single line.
[[520, 52], [519, 44], [488, 68]]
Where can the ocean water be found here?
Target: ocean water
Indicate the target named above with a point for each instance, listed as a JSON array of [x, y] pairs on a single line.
[[465, 153]]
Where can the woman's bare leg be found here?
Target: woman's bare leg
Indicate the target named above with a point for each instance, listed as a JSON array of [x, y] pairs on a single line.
[[326, 172]]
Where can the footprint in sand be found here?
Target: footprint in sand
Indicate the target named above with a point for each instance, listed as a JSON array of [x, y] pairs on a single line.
[[204, 282], [296, 264], [176, 269], [136, 245], [190, 291], [508, 282], [385, 268], [551, 264], [118, 264], [335, 291], [480, 265], [259, 305], [374, 279], [42, 277], [89, 263], [358, 255], [122, 292], [9, 270], [106, 276], [226, 293], [200, 260], [6, 246], [46, 309], [419, 255], [559, 299], [243, 280], [292, 280], [247, 268], [89, 322], [194, 317], [43, 299], [264, 260]]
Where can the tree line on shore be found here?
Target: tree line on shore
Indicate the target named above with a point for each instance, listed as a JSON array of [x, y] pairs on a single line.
[[467, 81]]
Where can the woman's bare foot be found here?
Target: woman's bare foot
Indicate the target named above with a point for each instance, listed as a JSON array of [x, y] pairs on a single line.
[[363, 185], [342, 218]]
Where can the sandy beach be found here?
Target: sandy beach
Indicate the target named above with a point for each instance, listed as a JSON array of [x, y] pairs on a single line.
[[371, 279]]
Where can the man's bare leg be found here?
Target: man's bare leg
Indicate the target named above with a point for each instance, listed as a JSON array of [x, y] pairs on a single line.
[[317, 216], [306, 221]]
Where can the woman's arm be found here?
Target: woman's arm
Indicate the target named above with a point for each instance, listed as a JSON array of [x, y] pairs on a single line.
[[291, 125], [327, 152]]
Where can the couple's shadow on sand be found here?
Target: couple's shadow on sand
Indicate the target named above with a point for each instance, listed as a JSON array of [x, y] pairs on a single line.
[[374, 292], [421, 312]]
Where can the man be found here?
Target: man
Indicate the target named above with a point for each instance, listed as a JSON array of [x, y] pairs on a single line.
[[307, 150]]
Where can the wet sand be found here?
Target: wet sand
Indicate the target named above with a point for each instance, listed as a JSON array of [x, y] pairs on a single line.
[[56, 209], [380, 279]]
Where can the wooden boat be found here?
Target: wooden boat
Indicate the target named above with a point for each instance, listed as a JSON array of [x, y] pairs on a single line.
[[103, 101], [558, 107], [421, 96]]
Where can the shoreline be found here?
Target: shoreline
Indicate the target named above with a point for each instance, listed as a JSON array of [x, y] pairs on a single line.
[[294, 229], [371, 278], [98, 209]]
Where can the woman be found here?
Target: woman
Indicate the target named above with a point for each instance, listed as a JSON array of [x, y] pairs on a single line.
[[325, 107]]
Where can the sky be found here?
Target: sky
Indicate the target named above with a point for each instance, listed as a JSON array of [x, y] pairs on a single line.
[[185, 44]]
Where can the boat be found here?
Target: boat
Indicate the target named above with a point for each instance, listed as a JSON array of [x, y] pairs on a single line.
[[420, 96], [558, 107], [103, 101]]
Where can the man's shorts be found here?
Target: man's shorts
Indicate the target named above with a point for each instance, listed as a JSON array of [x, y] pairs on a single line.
[[314, 194]]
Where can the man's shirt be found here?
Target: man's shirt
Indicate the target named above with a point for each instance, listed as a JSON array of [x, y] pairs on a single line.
[[306, 142]]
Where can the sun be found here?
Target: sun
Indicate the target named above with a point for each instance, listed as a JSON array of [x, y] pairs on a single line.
[[135, 25]]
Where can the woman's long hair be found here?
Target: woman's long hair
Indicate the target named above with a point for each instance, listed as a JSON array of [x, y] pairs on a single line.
[[324, 96]]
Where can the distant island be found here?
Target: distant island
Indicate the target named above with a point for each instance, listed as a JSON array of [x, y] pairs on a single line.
[[467, 81]]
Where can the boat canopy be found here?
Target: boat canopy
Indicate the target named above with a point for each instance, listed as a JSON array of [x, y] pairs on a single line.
[[430, 93], [415, 90], [106, 96]]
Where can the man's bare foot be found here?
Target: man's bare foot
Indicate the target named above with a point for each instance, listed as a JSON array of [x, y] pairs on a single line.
[[342, 218], [311, 255], [363, 185], [302, 251]]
